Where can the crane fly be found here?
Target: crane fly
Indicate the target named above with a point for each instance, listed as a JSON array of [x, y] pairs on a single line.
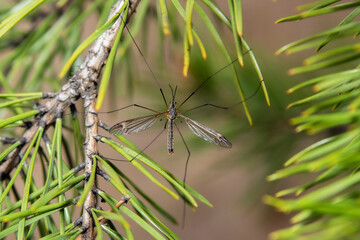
[[138, 124]]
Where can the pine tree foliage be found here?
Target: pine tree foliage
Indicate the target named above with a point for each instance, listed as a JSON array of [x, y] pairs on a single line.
[[49, 162], [327, 204]]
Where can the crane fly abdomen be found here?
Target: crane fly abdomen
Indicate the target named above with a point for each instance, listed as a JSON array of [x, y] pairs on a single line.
[[171, 115], [170, 139]]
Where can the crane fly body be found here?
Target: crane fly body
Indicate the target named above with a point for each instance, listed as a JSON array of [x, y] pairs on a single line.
[[138, 124]]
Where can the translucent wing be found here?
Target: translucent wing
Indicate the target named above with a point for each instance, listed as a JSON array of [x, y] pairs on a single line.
[[134, 125], [207, 133]]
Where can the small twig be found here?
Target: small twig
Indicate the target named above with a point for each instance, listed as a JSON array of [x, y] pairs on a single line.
[[48, 95], [123, 201], [8, 140], [103, 220], [79, 168], [103, 174]]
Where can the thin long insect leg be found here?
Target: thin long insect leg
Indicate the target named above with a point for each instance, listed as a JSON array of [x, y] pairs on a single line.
[[147, 64], [205, 82], [98, 154], [186, 166], [139, 153], [221, 107], [204, 105], [132, 105], [113, 159], [157, 136]]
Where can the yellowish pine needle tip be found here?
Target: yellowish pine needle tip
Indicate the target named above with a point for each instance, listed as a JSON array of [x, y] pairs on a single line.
[[315, 88], [185, 71], [304, 114], [351, 109], [166, 32], [271, 177], [298, 192], [292, 72], [241, 62], [278, 194]]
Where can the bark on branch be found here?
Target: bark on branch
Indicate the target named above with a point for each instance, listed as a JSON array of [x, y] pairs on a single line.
[[83, 84]]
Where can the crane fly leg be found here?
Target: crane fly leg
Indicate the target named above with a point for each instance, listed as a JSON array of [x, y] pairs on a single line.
[[186, 166], [132, 105], [152, 141], [204, 105]]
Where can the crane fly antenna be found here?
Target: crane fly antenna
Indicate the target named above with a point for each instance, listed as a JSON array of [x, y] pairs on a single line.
[[207, 79], [175, 93], [172, 91], [147, 64]]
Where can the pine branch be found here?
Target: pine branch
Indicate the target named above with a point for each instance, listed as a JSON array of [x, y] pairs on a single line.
[[82, 84], [326, 202]]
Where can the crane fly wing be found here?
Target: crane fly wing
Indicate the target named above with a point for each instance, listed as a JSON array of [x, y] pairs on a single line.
[[134, 125], [207, 133]]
